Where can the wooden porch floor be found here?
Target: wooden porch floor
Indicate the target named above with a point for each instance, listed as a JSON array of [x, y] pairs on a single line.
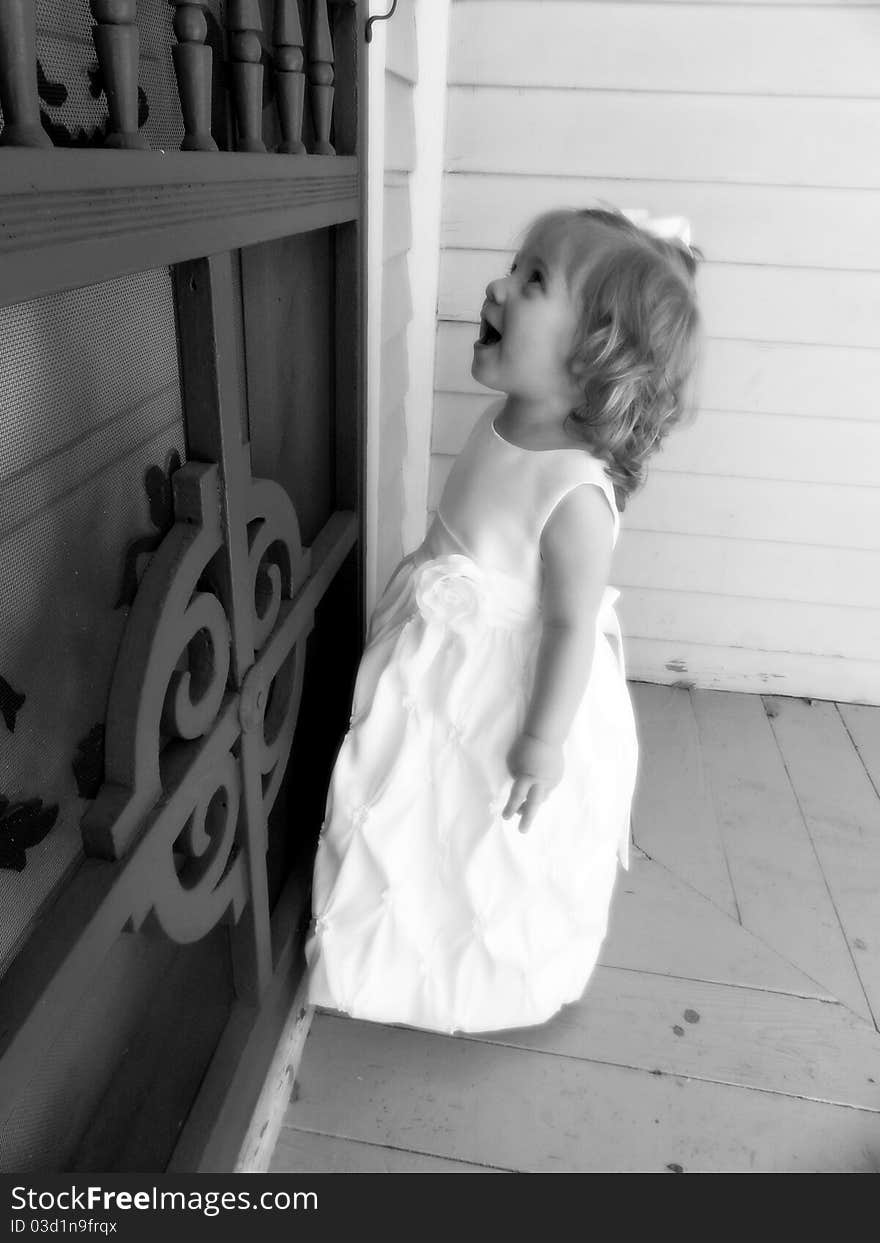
[[732, 1021]]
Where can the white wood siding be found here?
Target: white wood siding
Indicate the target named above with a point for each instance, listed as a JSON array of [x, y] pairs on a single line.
[[401, 76], [751, 559]]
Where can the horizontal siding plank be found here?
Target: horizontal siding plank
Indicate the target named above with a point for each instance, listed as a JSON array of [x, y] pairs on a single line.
[[713, 667], [638, 47], [807, 306], [763, 377], [780, 889], [779, 446], [816, 142], [455, 416], [783, 225], [739, 621], [368, 1082], [757, 446], [799, 1046], [396, 222], [400, 133], [842, 818], [828, 516], [787, 304], [401, 51], [397, 309], [729, 567]]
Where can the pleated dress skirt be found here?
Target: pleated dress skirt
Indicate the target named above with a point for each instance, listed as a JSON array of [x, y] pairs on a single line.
[[430, 909]]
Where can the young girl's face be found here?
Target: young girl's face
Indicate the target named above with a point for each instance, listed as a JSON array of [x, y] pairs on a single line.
[[528, 326]]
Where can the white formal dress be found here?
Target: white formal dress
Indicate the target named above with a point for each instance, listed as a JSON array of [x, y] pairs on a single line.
[[429, 909]]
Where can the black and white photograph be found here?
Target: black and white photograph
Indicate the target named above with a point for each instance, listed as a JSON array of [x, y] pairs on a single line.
[[439, 600]]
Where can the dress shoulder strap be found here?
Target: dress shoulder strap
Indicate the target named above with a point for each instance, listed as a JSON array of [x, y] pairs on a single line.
[[574, 470]]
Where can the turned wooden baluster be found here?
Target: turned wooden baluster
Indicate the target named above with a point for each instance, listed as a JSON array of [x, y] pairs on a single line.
[[118, 46], [290, 81], [18, 77], [192, 66], [321, 77], [243, 21]]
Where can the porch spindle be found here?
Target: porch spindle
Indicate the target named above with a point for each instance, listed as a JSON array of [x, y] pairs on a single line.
[[244, 22], [321, 77], [118, 46], [18, 77], [289, 77], [192, 66]]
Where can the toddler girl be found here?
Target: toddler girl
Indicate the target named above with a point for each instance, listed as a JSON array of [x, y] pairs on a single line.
[[492, 686]]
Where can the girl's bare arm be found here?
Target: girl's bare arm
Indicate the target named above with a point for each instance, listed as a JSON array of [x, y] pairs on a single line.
[[576, 547]]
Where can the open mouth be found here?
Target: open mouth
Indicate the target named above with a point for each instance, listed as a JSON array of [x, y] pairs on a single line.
[[488, 334]]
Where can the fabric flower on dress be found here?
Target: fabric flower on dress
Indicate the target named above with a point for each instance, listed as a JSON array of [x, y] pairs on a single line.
[[450, 590]]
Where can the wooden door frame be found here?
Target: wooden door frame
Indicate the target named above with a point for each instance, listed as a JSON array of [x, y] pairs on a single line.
[[425, 184]]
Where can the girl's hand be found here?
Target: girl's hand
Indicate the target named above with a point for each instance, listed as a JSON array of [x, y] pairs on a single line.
[[536, 767]]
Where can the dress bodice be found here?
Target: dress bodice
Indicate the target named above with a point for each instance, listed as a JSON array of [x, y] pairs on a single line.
[[498, 497]]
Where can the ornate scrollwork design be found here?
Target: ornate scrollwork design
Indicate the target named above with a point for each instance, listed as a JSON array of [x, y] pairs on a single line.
[[194, 695], [271, 693], [176, 767], [197, 873], [171, 670]]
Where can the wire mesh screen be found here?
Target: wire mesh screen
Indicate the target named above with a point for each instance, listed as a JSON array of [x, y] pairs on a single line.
[[73, 106], [91, 428]]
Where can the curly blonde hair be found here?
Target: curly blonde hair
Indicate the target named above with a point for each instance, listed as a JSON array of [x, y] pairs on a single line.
[[638, 342]]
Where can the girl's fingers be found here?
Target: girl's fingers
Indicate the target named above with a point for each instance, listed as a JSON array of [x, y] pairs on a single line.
[[537, 794], [526, 796], [516, 798]]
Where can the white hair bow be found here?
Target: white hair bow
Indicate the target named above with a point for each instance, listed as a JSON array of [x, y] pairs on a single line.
[[661, 226]]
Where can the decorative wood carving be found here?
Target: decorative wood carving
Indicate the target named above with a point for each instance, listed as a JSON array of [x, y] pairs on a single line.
[[192, 66], [174, 746], [321, 77], [243, 21], [197, 874], [152, 695], [290, 78], [117, 43], [18, 77], [278, 567]]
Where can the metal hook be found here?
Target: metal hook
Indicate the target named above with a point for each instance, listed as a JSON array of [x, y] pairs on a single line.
[[383, 17]]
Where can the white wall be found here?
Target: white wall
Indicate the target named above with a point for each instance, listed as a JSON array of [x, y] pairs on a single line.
[[751, 560]]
